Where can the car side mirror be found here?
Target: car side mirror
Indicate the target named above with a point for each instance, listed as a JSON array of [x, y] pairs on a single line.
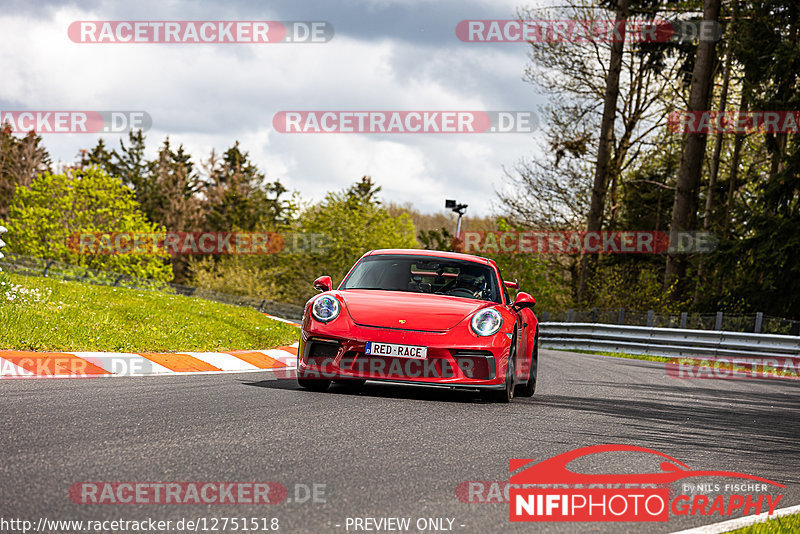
[[524, 300], [323, 283]]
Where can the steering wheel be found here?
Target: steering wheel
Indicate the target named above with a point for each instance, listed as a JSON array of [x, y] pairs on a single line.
[[465, 292]]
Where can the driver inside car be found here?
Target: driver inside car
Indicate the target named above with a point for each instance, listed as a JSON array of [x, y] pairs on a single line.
[[469, 283]]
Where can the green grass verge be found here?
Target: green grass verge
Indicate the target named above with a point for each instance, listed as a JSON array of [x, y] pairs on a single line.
[[42, 314], [645, 357], [779, 525]]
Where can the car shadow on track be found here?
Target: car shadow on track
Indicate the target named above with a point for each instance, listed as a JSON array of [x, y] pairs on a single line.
[[736, 422], [387, 390]]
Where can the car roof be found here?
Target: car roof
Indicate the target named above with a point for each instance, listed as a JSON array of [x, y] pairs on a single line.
[[431, 253]]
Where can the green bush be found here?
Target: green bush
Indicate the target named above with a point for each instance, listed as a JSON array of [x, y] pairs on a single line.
[[340, 229], [45, 218], [633, 287], [351, 226]]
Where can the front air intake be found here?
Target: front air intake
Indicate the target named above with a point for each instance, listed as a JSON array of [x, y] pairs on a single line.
[[321, 351], [477, 364]]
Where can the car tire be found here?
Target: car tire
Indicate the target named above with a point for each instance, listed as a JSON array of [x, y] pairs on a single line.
[[313, 384], [506, 394], [529, 387]]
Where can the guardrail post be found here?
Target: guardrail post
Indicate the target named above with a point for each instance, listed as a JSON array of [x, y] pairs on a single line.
[[3, 230], [545, 315], [718, 323], [650, 318], [570, 314], [759, 322], [594, 315], [621, 318], [684, 316]]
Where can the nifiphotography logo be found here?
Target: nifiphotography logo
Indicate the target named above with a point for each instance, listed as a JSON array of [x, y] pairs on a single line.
[[549, 491]]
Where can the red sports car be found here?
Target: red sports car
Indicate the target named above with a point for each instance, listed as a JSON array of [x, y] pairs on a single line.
[[424, 317]]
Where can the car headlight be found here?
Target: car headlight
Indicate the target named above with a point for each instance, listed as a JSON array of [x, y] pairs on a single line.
[[486, 322], [325, 309]]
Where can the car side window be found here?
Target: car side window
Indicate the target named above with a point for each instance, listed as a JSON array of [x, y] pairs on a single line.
[[503, 285]]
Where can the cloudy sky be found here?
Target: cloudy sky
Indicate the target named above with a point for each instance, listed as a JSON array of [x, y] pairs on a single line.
[[385, 55]]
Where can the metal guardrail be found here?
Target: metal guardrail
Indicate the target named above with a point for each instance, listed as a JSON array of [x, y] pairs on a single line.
[[756, 322], [669, 342]]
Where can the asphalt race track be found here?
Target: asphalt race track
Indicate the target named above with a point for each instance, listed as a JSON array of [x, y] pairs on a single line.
[[397, 451]]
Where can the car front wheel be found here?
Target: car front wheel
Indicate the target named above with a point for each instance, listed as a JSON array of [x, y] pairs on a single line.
[[529, 387], [506, 394], [313, 384]]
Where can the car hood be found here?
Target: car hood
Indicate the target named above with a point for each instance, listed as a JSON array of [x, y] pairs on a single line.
[[408, 311]]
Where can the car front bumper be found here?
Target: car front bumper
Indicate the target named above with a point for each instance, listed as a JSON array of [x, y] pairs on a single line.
[[455, 358]]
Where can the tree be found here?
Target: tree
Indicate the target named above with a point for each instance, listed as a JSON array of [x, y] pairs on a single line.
[[760, 252], [353, 222], [436, 239], [684, 208], [327, 238], [587, 136], [238, 197], [594, 219], [47, 218], [98, 156], [128, 163], [169, 190], [365, 191], [21, 160], [169, 197]]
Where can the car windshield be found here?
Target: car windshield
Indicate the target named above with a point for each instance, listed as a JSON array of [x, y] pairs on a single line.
[[425, 274]]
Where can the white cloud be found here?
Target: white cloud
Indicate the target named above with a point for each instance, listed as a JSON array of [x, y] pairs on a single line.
[[207, 96]]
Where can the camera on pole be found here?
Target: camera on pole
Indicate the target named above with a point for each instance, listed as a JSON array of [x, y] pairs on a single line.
[[457, 208]]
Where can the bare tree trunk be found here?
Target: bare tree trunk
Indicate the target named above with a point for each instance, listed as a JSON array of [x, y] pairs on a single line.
[[735, 157], [776, 165], [714, 171], [595, 219], [785, 89], [684, 208]]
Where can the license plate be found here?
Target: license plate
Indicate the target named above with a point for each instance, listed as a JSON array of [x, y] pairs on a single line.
[[396, 351]]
